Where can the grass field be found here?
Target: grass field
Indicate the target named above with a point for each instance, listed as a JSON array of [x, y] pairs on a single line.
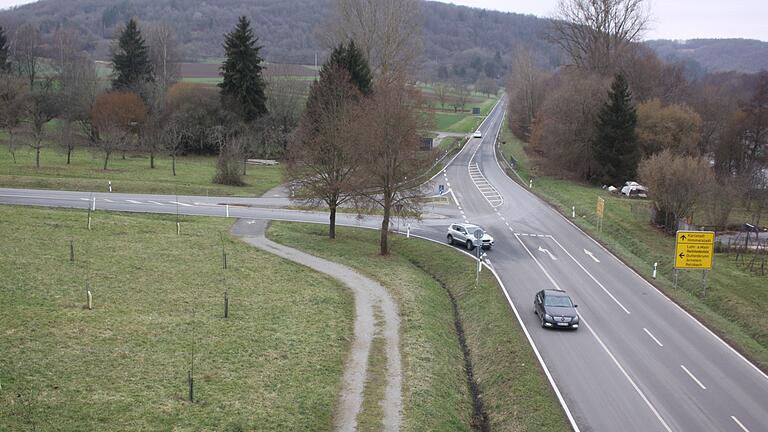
[[132, 175], [274, 365], [462, 122], [420, 274], [736, 299]]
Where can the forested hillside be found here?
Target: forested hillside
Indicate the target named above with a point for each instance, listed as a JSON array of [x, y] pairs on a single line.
[[459, 42], [716, 55]]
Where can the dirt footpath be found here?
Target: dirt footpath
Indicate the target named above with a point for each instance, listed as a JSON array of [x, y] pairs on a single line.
[[368, 294]]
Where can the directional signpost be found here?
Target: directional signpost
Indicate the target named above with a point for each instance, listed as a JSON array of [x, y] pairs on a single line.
[[694, 251], [600, 210]]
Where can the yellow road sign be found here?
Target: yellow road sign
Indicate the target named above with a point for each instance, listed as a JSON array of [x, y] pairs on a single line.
[[600, 207], [694, 250]]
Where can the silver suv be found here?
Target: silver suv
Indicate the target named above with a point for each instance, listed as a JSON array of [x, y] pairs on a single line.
[[464, 234]]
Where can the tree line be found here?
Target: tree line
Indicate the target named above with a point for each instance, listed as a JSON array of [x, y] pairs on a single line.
[[357, 142], [618, 113]]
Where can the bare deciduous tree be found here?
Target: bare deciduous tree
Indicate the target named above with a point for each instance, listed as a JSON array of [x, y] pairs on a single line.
[[441, 91], [44, 106], [390, 130], [525, 93], [676, 184], [594, 33], [323, 155], [231, 150], [25, 52], [116, 115], [164, 55], [67, 137], [565, 127], [14, 99], [674, 127], [387, 31], [173, 135]]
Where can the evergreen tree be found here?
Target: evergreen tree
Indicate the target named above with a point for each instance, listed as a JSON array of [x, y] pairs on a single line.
[[242, 89], [130, 61], [615, 147], [4, 64], [350, 58]]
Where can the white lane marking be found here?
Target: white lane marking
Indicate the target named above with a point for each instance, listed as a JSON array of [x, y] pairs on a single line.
[[591, 277], [653, 337], [559, 395], [85, 199], [517, 236], [626, 375], [155, 202], [133, 201], [591, 255], [108, 200], [641, 278], [546, 251], [181, 203], [693, 377], [454, 197], [448, 183], [744, 428]]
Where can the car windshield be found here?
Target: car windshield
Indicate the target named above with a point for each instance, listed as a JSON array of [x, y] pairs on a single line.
[[558, 301], [471, 230]]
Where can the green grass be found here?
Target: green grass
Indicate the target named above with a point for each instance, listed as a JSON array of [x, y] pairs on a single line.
[[274, 365], [132, 175], [462, 122], [736, 299], [435, 395]]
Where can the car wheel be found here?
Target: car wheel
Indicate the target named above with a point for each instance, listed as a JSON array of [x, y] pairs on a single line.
[[450, 239], [469, 245]]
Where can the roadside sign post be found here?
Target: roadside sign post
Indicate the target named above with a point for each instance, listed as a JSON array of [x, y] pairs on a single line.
[[600, 210], [694, 250], [479, 237]]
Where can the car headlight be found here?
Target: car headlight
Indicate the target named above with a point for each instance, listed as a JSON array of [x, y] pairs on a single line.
[[576, 318], [547, 316]]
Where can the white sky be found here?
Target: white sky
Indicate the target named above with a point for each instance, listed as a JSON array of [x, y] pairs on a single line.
[[672, 19]]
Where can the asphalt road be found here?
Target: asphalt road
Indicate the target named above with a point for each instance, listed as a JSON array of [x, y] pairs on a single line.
[[639, 362]]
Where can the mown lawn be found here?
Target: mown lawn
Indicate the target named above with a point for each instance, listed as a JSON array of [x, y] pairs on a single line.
[[274, 365], [463, 122], [194, 174], [736, 299], [420, 274]]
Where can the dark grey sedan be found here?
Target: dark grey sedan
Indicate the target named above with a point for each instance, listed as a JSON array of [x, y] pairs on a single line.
[[555, 309]]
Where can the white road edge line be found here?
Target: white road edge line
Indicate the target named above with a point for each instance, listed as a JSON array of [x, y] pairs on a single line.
[[590, 275], [454, 197], [744, 428], [556, 389], [685, 312], [626, 375], [653, 337], [693, 377]]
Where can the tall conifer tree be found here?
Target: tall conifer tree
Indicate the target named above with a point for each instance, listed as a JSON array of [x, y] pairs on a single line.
[[130, 61], [615, 148], [349, 57], [4, 64], [242, 89]]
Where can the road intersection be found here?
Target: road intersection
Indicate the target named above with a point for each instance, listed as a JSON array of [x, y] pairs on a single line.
[[640, 362]]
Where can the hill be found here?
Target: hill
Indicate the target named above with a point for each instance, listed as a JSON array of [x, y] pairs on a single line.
[[716, 55], [459, 42]]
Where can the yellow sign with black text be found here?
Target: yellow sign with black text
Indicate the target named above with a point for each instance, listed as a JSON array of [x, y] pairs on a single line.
[[694, 250]]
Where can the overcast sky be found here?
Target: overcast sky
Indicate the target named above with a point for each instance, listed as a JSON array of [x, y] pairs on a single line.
[[672, 19]]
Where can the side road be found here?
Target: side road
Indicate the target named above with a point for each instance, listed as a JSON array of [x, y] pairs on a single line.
[[369, 296]]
